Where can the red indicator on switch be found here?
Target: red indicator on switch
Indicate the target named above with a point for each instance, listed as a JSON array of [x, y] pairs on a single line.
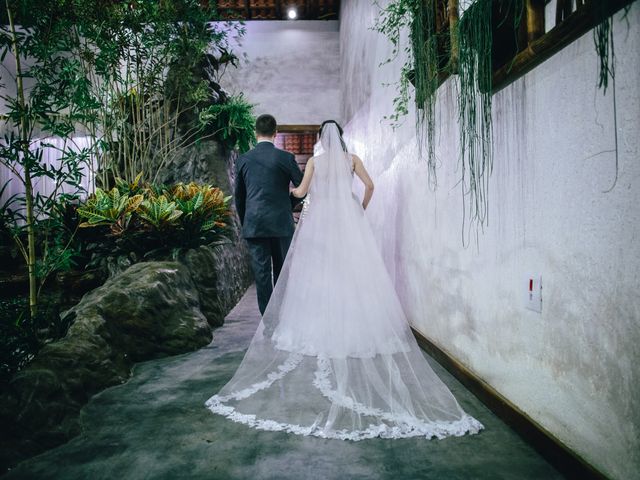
[[531, 284]]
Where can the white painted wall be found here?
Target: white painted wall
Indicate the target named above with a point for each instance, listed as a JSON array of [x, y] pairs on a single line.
[[289, 69], [51, 148], [573, 368]]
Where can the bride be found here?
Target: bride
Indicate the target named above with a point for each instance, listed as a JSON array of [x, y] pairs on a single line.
[[334, 355]]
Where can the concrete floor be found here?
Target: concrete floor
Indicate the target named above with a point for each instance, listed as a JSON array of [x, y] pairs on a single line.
[[156, 427]]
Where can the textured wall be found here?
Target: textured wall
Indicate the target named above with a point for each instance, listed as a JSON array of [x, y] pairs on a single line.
[[572, 368], [289, 69]]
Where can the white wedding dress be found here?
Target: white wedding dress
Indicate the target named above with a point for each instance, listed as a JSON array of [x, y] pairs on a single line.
[[334, 355]]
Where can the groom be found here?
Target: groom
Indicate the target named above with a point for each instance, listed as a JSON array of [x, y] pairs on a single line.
[[262, 200]]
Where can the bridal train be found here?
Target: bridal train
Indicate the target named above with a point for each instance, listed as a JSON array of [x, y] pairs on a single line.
[[334, 356]]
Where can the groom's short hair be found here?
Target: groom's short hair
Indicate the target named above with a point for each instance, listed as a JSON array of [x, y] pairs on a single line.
[[266, 125]]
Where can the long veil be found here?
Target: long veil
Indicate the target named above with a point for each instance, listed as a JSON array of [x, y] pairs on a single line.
[[334, 355]]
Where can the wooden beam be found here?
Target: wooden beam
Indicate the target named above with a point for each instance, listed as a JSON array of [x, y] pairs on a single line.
[[553, 450], [298, 128], [576, 25]]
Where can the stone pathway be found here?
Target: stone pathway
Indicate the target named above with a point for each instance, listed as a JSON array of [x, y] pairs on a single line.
[[156, 427]]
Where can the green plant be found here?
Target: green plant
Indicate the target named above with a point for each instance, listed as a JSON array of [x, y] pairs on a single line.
[[57, 252], [111, 208], [465, 49], [18, 344], [474, 110], [134, 188], [23, 335], [144, 63], [9, 216], [134, 75], [205, 208], [424, 46], [157, 221], [233, 122], [604, 45], [52, 104], [159, 212], [396, 17]]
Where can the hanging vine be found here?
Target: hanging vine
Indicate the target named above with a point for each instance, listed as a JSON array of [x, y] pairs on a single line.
[[420, 70], [393, 19], [467, 48], [603, 41], [425, 79], [463, 48], [474, 112]]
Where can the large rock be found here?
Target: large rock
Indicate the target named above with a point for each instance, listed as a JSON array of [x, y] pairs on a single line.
[[150, 310]]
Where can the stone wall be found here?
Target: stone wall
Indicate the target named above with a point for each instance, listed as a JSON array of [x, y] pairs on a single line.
[[553, 213]]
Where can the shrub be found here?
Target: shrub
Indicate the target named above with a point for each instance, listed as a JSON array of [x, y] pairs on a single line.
[[233, 122], [154, 220]]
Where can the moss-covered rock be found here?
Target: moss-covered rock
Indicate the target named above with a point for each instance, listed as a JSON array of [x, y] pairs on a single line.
[[150, 310]]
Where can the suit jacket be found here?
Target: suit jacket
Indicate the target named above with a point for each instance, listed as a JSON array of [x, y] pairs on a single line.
[[262, 191]]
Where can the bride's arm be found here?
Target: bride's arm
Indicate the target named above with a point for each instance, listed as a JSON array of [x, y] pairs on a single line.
[[303, 188], [363, 175]]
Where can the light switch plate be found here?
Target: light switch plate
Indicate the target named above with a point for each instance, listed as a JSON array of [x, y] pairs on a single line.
[[533, 298]]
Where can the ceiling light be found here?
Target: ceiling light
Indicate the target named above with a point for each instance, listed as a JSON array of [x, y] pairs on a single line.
[[292, 13]]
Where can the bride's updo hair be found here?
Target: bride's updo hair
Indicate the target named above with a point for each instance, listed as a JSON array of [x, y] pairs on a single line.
[[340, 131]]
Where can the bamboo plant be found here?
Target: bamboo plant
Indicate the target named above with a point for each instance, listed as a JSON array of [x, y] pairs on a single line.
[[33, 112]]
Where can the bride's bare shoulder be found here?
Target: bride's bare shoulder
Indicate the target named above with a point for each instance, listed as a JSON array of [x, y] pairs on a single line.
[[355, 162]]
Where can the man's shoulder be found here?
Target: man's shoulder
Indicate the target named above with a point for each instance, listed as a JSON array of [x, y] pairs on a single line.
[[284, 154], [275, 153], [245, 156]]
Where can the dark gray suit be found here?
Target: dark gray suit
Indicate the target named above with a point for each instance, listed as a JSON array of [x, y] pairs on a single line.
[[262, 200]]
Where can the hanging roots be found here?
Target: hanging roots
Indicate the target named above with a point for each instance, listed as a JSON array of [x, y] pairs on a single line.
[[474, 104], [473, 64], [603, 40], [425, 67]]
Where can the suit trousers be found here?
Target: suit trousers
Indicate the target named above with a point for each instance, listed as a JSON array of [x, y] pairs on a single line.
[[267, 256]]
